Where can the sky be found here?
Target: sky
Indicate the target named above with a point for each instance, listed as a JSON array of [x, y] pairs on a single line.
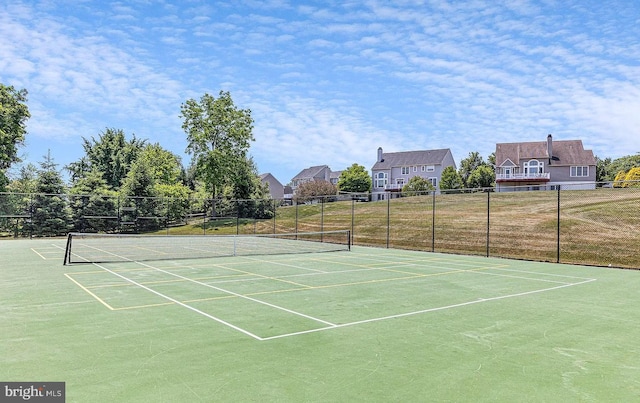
[[328, 82]]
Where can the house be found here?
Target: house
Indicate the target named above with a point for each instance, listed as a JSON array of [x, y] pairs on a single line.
[[276, 190], [540, 165], [317, 173], [393, 170], [334, 177]]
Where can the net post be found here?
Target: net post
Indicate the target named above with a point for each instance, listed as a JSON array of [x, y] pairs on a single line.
[[348, 240], [235, 242], [67, 250]]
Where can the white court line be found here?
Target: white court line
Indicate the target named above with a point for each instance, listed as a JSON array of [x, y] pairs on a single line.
[[209, 286], [283, 264], [440, 308], [180, 303], [237, 295], [335, 326]]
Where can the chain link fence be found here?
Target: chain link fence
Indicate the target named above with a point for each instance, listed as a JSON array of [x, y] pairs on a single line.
[[598, 227]]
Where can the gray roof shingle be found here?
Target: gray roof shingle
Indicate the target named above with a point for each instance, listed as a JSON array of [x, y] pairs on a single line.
[[407, 158]]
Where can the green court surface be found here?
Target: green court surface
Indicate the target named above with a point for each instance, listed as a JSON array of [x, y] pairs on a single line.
[[362, 325]]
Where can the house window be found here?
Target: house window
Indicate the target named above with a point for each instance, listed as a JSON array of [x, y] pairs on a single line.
[[434, 182], [415, 168], [381, 179], [404, 171], [579, 171], [533, 167], [431, 168], [506, 172], [400, 182]]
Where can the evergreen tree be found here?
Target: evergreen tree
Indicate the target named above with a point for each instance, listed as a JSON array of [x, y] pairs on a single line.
[[50, 213], [111, 154], [94, 205]]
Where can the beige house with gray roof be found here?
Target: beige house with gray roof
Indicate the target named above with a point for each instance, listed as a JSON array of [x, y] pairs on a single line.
[[315, 173], [541, 165], [393, 170]]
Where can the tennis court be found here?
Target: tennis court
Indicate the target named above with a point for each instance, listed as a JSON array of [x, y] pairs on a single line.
[[329, 324]]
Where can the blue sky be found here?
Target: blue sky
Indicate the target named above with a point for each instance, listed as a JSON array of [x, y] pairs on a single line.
[[328, 82]]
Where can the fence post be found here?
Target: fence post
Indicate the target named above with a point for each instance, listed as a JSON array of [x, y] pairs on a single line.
[[433, 222], [388, 219], [353, 211], [488, 219], [275, 209], [238, 217], [322, 199], [558, 229]]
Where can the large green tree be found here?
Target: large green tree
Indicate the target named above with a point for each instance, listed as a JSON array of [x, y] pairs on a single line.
[[354, 179], [168, 181], [482, 177], [468, 165], [14, 114], [111, 154], [218, 136], [417, 185], [139, 198], [450, 179]]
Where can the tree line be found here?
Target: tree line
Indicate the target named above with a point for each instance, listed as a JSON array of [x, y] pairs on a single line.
[[121, 169]]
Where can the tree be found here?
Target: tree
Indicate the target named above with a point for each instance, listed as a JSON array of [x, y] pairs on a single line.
[[417, 185], [26, 180], [618, 181], [247, 195], [314, 189], [111, 154], [218, 136], [355, 179], [140, 198], [468, 165], [164, 166], [632, 179], [50, 213], [603, 171], [450, 179], [622, 164], [14, 114], [94, 204], [482, 177]]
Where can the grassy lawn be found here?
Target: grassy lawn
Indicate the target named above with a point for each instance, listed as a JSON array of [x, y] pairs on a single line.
[[598, 227]]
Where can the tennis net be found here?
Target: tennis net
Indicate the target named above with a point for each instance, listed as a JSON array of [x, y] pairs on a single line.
[[102, 248]]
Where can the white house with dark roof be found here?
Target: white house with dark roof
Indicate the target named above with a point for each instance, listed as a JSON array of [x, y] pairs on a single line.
[[393, 170], [540, 165]]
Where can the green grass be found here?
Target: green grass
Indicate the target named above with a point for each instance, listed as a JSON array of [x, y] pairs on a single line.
[[458, 328], [598, 227]]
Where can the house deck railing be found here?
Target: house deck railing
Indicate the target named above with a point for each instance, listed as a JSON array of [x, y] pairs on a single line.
[[523, 176]]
